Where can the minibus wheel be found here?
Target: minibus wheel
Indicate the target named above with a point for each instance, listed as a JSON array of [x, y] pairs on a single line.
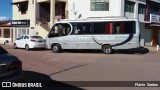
[[14, 46], [107, 49], [56, 48], [27, 47]]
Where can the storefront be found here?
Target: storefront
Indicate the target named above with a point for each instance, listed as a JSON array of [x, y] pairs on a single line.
[[6, 32], [159, 37], [155, 26], [21, 27]]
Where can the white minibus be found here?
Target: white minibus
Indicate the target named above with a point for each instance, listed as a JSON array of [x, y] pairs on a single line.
[[106, 34]]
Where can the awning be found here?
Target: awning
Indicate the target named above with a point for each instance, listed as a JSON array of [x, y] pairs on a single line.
[[6, 26], [18, 2]]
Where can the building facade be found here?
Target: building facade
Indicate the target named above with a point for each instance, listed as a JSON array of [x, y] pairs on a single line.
[[147, 11], [35, 17]]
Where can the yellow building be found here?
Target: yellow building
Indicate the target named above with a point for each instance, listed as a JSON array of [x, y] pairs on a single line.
[[35, 17]]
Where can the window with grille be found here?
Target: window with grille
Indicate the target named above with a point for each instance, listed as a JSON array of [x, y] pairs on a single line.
[[23, 7], [154, 10], [6, 33], [141, 9], [129, 6], [99, 5]]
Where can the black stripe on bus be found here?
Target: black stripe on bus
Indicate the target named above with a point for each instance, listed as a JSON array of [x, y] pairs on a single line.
[[118, 44], [124, 42]]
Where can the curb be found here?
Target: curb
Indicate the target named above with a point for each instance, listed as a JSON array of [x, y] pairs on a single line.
[[6, 46], [152, 49]]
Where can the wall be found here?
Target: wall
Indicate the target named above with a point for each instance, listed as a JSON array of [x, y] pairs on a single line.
[[129, 15], [30, 14], [41, 31], [116, 8], [159, 37], [146, 34], [141, 18]]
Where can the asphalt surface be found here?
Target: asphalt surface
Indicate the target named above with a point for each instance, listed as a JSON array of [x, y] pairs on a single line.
[[79, 65]]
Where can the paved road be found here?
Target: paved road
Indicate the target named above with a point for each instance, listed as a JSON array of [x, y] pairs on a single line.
[[41, 65]]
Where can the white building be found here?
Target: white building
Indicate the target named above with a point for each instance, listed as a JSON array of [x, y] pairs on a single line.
[[35, 17], [147, 11]]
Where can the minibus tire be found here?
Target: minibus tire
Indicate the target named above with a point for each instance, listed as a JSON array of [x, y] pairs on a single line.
[[26, 47], [107, 49], [14, 46], [56, 48]]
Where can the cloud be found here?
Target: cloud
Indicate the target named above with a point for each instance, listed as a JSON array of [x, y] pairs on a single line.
[[2, 18]]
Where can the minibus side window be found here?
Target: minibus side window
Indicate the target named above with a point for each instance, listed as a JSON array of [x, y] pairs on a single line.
[[125, 27], [82, 28], [98, 28], [115, 27], [130, 27], [77, 27]]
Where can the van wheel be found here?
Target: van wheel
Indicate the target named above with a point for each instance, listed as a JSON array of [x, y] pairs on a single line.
[[56, 48], [107, 49], [14, 46], [27, 48]]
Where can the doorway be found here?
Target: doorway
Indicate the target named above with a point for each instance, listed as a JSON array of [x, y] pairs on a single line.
[[155, 36], [159, 37]]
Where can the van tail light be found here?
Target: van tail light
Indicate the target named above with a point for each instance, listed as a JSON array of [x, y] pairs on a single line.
[[33, 40], [14, 65]]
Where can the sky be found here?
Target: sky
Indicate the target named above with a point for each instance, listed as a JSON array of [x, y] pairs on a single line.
[[5, 9]]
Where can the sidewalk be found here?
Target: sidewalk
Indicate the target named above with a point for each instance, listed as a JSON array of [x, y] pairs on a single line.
[[8, 46], [152, 48]]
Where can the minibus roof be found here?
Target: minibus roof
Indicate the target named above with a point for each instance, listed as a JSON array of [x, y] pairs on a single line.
[[96, 20]]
